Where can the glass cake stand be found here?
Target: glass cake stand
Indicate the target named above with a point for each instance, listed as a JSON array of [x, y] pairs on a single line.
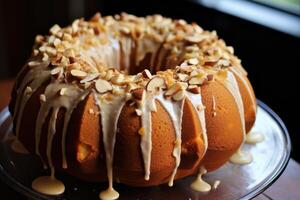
[[270, 158]]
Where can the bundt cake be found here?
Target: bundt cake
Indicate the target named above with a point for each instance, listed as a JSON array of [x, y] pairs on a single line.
[[139, 101]]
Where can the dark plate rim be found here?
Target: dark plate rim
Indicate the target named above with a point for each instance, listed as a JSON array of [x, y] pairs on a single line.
[[18, 187]]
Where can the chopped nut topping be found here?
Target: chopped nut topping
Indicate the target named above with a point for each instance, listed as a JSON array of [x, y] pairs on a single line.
[[89, 77], [179, 95], [194, 89], [54, 29], [103, 86], [78, 73], [193, 61], [57, 72], [155, 84], [141, 131], [147, 74]]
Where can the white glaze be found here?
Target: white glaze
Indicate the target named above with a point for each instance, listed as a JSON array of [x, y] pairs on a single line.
[[48, 185], [231, 84], [110, 112], [254, 137], [55, 102], [175, 110], [196, 101], [146, 140], [199, 184], [252, 98]]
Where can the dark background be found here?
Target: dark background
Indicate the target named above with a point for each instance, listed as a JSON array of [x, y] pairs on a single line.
[[270, 57]]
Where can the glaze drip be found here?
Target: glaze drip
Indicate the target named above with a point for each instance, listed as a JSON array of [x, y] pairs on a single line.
[[146, 131], [175, 110], [230, 83], [110, 111], [199, 184]]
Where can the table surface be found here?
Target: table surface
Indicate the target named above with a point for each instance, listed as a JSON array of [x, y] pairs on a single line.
[[285, 188]]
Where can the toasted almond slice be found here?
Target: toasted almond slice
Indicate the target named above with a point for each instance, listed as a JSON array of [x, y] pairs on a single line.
[[54, 29], [176, 87], [155, 84], [194, 89], [194, 38], [118, 79], [182, 77], [179, 95], [147, 74], [57, 72], [89, 78], [196, 80], [78, 73], [103, 86], [193, 61]]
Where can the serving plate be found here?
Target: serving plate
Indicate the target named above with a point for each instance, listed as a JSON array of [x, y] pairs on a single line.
[[270, 158]]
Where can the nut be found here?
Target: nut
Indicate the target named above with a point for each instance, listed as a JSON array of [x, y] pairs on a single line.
[[54, 29], [176, 87], [193, 61], [194, 89], [138, 93], [194, 38], [147, 74], [197, 80], [118, 79], [57, 72], [78, 73], [103, 86], [69, 53], [179, 95], [155, 84], [89, 78], [182, 77]]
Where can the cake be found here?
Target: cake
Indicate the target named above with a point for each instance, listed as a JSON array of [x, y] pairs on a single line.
[[140, 101]]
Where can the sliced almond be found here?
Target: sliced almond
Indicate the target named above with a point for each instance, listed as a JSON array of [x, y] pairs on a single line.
[[194, 89], [176, 87], [57, 72], [182, 77], [89, 78], [194, 38], [54, 29], [155, 84], [179, 95], [147, 74], [103, 86], [138, 93], [197, 80], [193, 61], [78, 73], [118, 79], [70, 53]]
